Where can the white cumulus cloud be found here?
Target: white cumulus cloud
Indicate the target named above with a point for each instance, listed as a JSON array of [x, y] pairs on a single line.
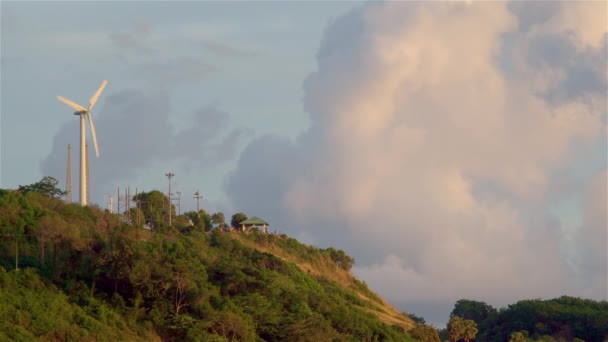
[[435, 130]]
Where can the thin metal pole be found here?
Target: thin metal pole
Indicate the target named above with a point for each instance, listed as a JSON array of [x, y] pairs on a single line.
[[128, 202], [169, 175], [137, 206], [68, 176]]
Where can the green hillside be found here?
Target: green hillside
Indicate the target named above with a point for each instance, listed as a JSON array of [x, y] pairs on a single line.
[[88, 275]]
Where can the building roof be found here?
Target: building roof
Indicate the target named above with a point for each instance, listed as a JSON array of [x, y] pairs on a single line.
[[255, 221]]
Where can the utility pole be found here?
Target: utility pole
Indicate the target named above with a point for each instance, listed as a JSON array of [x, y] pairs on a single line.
[[128, 203], [198, 197], [137, 206], [169, 175]]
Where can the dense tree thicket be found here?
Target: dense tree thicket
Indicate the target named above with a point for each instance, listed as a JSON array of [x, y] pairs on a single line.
[[561, 319], [87, 274]]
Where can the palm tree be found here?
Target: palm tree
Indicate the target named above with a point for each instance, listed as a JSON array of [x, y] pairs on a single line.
[[470, 330], [517, 337], [455, 329]]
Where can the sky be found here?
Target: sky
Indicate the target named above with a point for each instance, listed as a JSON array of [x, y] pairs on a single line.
[[454, 149]]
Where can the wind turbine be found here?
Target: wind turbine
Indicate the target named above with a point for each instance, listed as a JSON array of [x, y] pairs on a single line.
[[82, 112]]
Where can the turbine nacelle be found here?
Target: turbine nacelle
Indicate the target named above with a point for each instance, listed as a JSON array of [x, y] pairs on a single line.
[[80, 110]]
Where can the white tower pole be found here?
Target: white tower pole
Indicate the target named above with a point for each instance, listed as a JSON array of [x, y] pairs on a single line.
[[83, 163]]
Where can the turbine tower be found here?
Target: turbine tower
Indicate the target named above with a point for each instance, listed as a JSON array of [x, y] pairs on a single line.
[[86, 162], [82, 112]]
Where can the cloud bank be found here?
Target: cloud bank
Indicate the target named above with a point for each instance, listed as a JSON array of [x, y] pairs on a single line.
[[437, 130]]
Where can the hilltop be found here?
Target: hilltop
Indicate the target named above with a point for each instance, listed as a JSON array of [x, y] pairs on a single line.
[[87, 274], [82, 273]]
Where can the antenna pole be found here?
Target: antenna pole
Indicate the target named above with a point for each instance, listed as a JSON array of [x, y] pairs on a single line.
[[137, 207], [169, 175], [128, 204], [179, 202], [68, 177]]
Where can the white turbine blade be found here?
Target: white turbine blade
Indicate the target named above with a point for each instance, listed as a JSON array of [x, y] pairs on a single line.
[[95, 97], [72, 104], [93, 134]]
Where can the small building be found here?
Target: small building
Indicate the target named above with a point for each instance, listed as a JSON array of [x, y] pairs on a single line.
[[254, 222]]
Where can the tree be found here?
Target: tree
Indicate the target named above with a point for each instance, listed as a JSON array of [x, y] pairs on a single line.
[[564, 317], [154, 205], [455, 329], [470, 309], [15, 215], [205, 219], [118, 258], [201, 220], [218, 219], [183, 223], [47, 186], [231, 326], [237, 219], [517, 337], [341, 259], [137, 217], [417, 319], [426, 333], [470, 330], [54, 229]]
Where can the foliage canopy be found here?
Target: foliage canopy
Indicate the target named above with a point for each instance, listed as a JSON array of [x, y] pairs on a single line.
[[88, 274]]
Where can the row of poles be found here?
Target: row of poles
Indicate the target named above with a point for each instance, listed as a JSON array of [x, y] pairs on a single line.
[[197, 196], [127, 197]]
